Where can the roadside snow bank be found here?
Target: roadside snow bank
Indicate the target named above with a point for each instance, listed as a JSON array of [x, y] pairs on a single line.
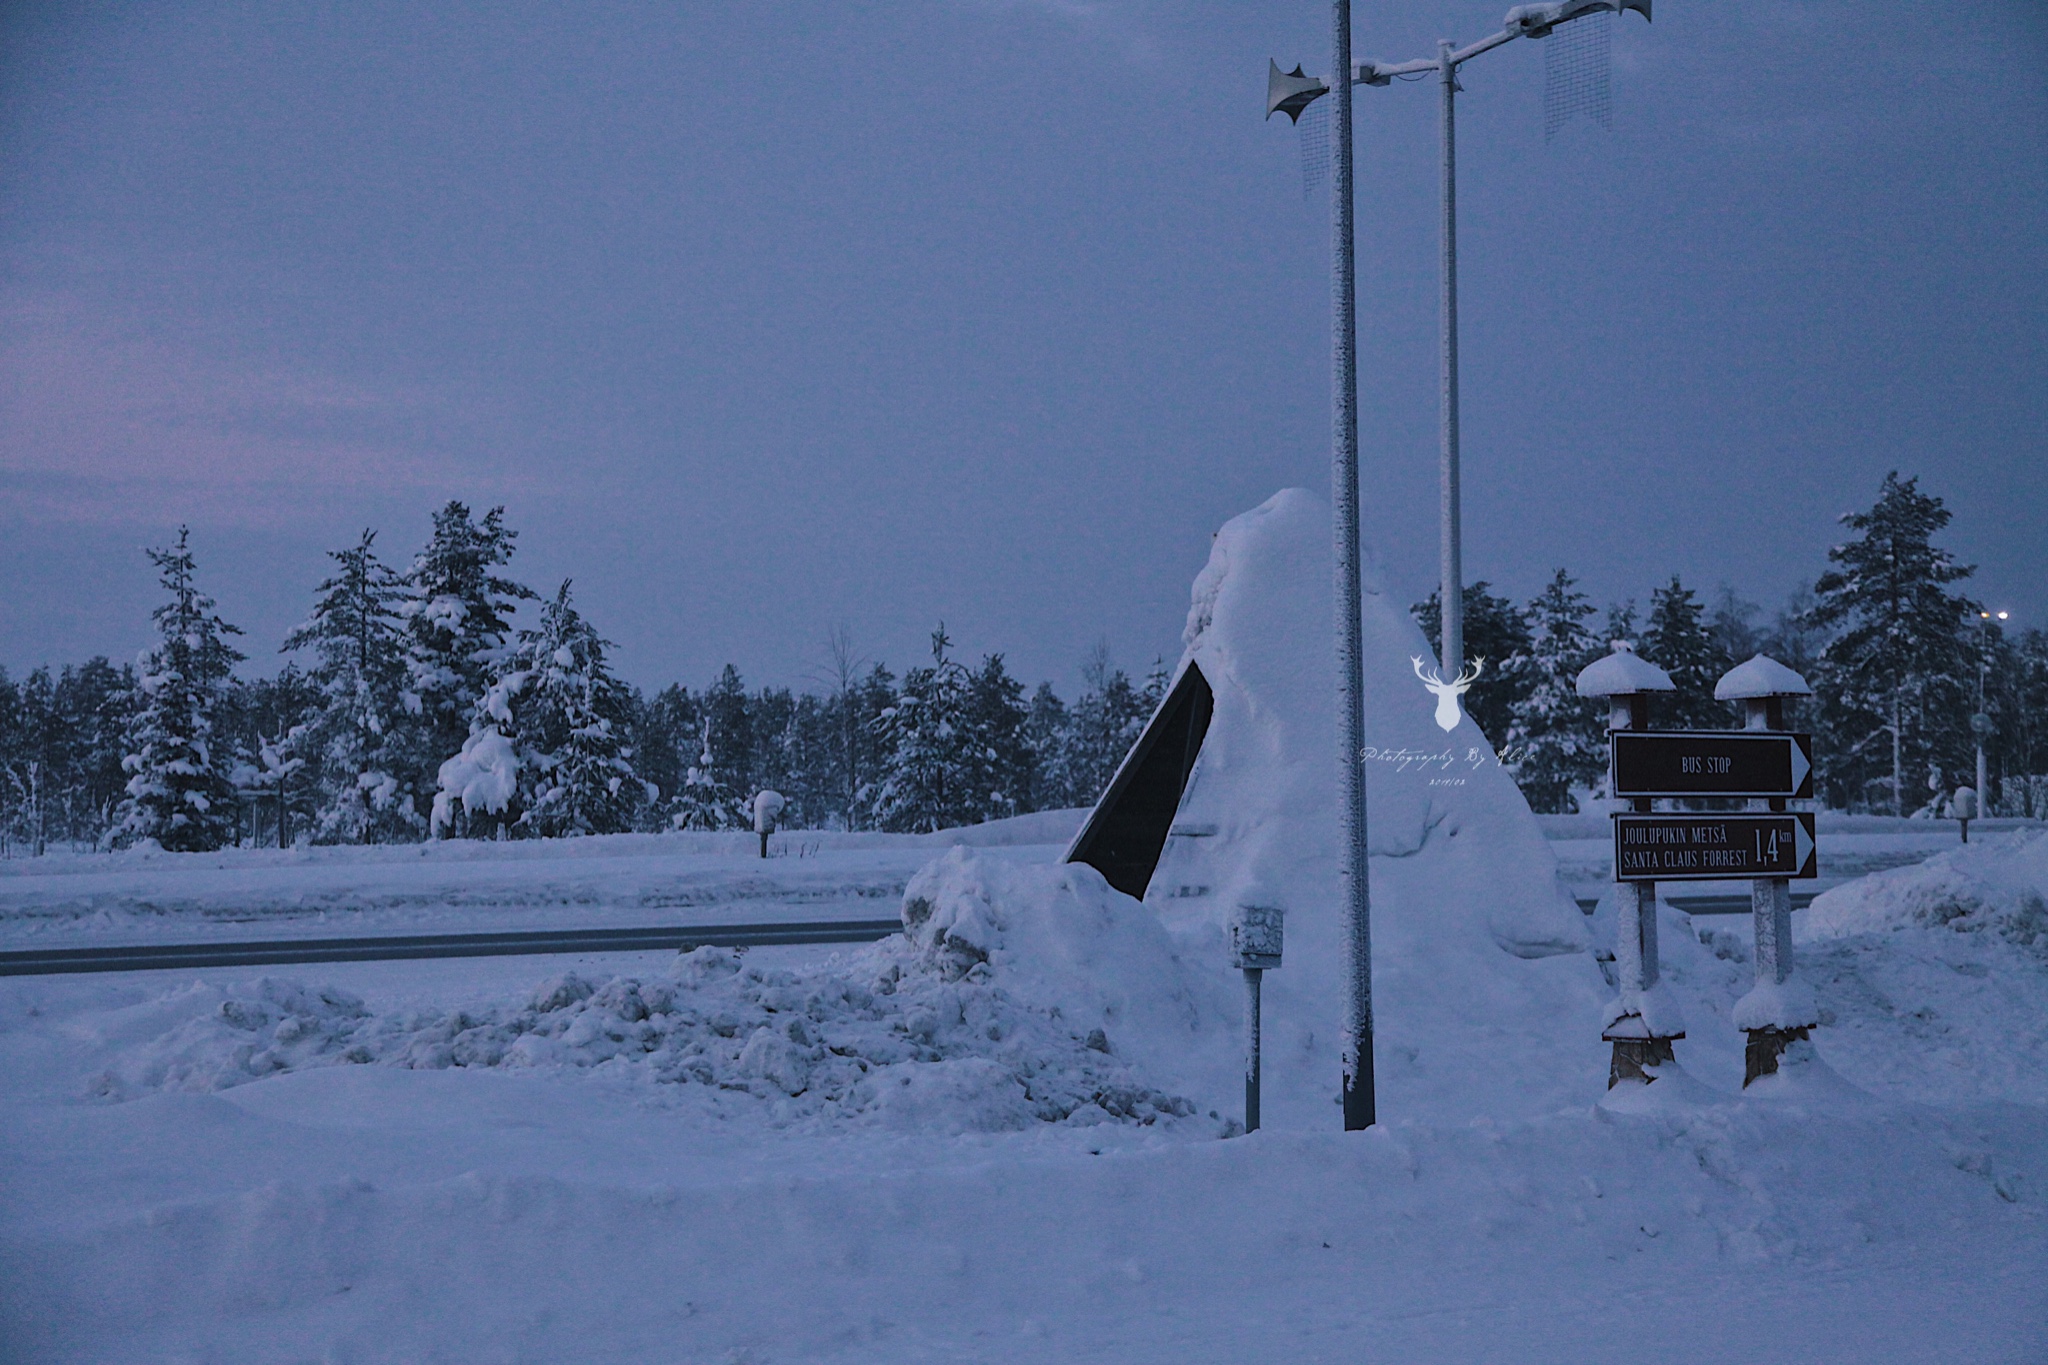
[[1009, 1000], [1997, 886]]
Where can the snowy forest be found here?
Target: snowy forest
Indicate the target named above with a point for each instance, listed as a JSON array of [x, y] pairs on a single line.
[[411, 707]]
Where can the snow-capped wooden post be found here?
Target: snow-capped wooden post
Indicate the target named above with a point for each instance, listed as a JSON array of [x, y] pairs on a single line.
[[1779, 1008], [1641, 1021], [1256, 934], [767, 805]]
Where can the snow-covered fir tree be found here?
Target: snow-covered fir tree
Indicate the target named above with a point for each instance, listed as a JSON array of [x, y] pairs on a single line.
[[702, 801], [459, 629], [178, 794], [921, 788], [358, 636], [270, 725], [1677, 639], [1102, 725], [730, 740], [1045, 735], [1556, 739], [996, 762], [1895, 681], [572, 716]]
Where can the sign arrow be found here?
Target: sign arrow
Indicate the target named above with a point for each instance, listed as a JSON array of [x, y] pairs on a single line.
[[1802, 846], [1742, 763]]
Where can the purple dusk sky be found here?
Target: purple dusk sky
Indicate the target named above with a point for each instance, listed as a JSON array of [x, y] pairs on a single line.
[[765, 318]]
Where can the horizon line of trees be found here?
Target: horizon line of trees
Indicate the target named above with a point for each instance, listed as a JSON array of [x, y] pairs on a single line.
[[412, 709], [420, 712]]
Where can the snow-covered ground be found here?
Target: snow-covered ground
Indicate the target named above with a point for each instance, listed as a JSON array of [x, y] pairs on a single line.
[[453, 886], [595, 1158], [1009, 1133]]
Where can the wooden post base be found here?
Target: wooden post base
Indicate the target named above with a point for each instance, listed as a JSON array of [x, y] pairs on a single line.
[[1766, 1046], [1633, 1055]]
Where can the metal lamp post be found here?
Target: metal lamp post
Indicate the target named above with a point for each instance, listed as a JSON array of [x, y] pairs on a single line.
[[1523, 21], [1290, 93]]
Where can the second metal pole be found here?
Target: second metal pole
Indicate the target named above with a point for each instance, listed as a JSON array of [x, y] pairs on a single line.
[[1251, 1048], [1451, 592], [1359, 1109]]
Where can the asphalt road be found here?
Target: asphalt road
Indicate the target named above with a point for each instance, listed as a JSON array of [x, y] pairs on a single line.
[[283, 952]]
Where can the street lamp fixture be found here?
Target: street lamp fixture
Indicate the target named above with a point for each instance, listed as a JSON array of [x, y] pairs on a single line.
[[1290, 92]]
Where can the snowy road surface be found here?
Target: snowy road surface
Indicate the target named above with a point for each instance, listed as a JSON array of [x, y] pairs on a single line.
[[581, 1158]]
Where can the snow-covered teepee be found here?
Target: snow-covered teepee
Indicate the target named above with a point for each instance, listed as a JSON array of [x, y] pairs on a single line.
[[1484, 990]]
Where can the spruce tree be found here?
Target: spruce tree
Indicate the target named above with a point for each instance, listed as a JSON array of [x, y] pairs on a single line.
[[270, 725], [95, 702], [665, 740], [357, 632], [1045, 735], [921, 789], [1557, 740], [178, 792], [702, 802], [1105, 721], [1678, 640], [1496, 637], [570, 720], [459, 628], [1892, 678], [730, 738], [997, 764]]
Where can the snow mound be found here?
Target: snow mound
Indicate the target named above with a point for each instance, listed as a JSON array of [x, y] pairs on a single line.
[[1009, 1001], [1485, 994], [1997, 886]]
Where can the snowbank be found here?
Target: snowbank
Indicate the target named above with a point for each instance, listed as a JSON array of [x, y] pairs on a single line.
[[1486, 1000], [1016, 995], [1998, 886]]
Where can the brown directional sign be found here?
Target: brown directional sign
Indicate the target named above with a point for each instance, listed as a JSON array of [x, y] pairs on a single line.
[[1705, 848], [1712, 763]]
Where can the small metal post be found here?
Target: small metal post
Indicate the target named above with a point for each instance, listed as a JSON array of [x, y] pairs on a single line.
[[1252, 977], [1256, 937]]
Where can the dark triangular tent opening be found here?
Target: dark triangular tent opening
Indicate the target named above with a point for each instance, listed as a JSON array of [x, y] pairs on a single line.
[[1126, 832]]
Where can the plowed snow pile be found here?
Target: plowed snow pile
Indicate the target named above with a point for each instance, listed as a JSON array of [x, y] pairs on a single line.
[[1006, 1002], [1997, 886]]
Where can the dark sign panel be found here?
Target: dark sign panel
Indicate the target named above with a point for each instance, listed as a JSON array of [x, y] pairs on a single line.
[[1701, 848], [1712, 763]]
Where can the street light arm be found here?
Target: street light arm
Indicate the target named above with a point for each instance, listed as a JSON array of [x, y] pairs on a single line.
[[1462, 55], [1379, 73], [1523, 21]]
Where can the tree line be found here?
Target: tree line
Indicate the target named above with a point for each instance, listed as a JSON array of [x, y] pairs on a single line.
[[410, 708], [1908, 672]]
